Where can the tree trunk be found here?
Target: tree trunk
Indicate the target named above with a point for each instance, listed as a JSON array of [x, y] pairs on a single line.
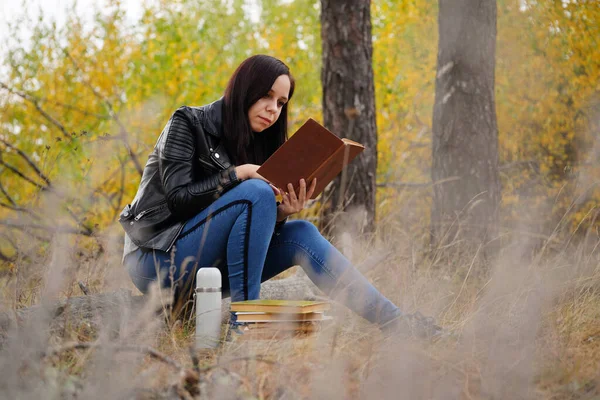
[[466, 192], [349, 105]]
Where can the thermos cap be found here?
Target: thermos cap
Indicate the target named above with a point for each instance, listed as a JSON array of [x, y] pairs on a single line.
[[208, 277]]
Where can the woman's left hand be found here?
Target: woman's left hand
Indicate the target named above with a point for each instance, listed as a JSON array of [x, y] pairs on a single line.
[[292, 203]]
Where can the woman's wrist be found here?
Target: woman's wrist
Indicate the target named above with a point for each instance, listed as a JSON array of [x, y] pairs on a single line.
[[281, 217], [279, 223], [239, 171]]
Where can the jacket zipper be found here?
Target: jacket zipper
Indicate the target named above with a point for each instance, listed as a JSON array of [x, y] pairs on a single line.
[[144, 212], [140, 215]]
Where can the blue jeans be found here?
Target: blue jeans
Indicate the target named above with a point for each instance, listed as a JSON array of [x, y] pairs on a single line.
[[237, 234]]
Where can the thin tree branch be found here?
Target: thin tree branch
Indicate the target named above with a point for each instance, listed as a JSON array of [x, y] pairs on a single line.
[[10, 240], [528, 163], [30, 234], [19, 173], [123, 131], [5, 193], [108, 179], [79, 222], [73, 108], [52, 229], [399, 185], [33, 100], [117, 206], [39, 186], [418, 184], [84, 230], [10, 207], [4, 257], [28, 160], [118, 347], [248, 358], [20, 209]]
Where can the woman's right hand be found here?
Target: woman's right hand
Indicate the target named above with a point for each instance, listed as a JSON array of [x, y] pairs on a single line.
[[248, 171]]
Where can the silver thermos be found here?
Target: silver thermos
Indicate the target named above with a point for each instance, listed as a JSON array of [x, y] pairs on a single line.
[[208, 308]]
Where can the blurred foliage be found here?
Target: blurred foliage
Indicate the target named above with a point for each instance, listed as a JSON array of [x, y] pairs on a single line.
[[82, 105], [548, 104]]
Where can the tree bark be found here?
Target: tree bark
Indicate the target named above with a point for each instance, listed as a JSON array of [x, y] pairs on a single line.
[[465, 132], [349, 104]]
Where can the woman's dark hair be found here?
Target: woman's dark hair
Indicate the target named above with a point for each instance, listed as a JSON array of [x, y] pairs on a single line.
[[251, 81]]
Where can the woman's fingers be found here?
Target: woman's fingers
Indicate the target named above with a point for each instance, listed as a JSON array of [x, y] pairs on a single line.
[[302, 193], [295, 202], [292, 192], [275, 189]]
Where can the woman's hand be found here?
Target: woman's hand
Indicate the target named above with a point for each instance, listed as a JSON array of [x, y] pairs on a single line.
[[292, 203], [248, 171]]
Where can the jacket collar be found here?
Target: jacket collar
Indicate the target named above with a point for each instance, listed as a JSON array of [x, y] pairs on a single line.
[[213, 118]]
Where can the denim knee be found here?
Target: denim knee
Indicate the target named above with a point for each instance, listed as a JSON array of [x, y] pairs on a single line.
[[302, 229], [256, 190]]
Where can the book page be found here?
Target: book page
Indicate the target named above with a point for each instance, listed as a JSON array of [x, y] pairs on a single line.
[[352, 143]]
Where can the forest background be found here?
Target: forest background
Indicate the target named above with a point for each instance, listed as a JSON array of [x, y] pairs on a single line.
[[86, 101], [82, 105]]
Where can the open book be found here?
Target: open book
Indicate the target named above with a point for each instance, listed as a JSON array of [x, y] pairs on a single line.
[[311, 152]]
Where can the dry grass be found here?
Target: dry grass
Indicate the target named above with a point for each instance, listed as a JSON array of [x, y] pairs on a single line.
[[526, 324]]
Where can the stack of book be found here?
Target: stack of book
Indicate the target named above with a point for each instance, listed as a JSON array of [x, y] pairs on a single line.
[[277, 318]]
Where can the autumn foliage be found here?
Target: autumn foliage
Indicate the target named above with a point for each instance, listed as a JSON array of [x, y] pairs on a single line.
[[82, 105]]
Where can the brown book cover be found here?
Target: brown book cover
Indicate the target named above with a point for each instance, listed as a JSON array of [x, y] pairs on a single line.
[[280, 306], [312, 152]]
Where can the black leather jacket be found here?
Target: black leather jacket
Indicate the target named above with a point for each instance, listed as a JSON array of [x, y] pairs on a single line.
[[188, 169]]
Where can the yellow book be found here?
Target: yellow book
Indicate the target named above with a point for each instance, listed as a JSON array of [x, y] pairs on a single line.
[[277, 317], [280, 306]]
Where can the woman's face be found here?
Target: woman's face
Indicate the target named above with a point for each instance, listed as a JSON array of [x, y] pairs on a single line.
[[266, 110]]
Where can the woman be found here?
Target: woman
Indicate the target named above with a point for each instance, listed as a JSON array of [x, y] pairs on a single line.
[[201, 203]]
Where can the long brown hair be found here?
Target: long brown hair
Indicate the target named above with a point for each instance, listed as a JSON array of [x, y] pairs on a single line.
[[252, 80]]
